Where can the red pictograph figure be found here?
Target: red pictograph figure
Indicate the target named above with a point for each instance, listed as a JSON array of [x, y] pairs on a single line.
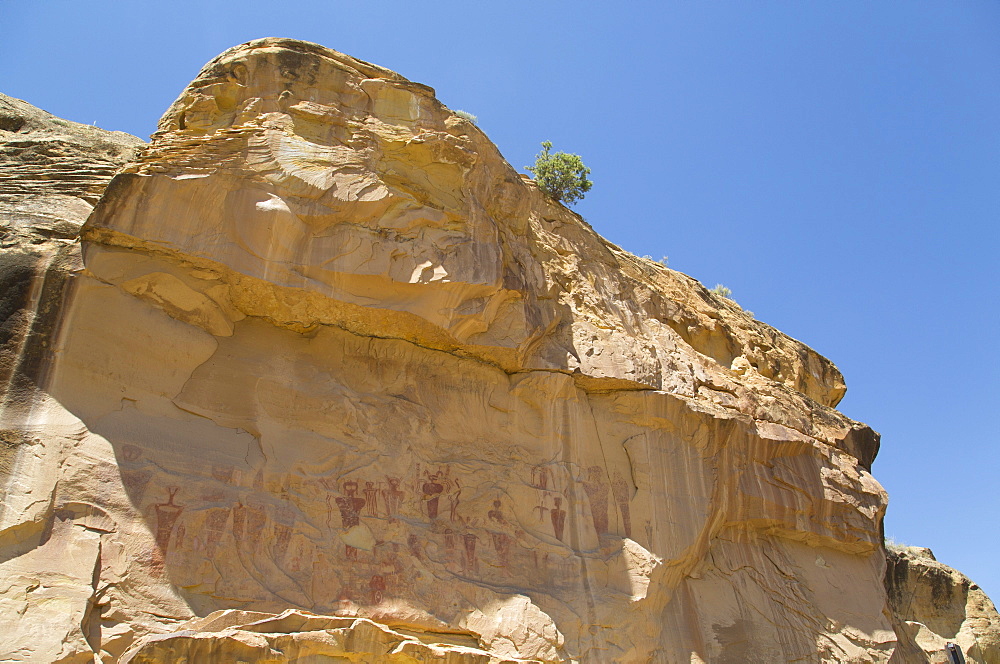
[[282, 538], [622, 493], [350, 505], [501, 538], [135, 482], [239, 520], [453, 500], [377, 586], [223, 473], [501, 544], [558, 517], [166, 516], [597, 492], [541, 478], [371, 499], [541, 509], [214, 528], [470, 560], [496, 514], [256, 520], [331, 484], [393, 497], [131, 453], [283, 526], [416, 548], [350, 513], [432, 490], [451, 546]]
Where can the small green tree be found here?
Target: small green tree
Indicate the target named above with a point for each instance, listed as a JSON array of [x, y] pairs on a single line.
[[561, 176]]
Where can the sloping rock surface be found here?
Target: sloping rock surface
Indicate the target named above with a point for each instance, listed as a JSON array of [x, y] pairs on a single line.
[[331, 378]]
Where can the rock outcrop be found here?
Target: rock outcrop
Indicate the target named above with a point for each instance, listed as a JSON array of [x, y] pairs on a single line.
[[331, 379], [933, 605], [52, 172]]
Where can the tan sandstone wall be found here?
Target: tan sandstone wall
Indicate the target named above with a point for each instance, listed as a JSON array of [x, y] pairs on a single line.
[[332, 379], [933, 605]]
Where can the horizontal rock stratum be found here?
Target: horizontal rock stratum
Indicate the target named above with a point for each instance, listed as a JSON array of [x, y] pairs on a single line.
[[322, 378]]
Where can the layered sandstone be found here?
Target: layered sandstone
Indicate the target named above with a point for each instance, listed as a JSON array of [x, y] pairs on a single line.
[[934, 605], [332, 380], [52, 172]]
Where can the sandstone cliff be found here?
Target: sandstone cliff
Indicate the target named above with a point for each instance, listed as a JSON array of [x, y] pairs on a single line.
[[331, 379]]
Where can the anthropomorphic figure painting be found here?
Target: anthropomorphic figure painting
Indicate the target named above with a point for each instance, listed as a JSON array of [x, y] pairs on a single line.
[[371, 499], [541, 478], [214, 528], [623, 493], [470, 560], [558, 517], [454, 495], [134, 479], [498, 527], [392, 496], [597, 492], [542, 509], [166, 516], [431, 494], [350, 505], [415, 546], [377, 586]]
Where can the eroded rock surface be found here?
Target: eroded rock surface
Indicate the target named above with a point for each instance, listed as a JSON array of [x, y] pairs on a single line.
[[328, 353], [52, 171], [934, 605]]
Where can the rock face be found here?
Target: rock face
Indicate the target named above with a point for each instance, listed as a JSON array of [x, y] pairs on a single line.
[[933, 605], [331, 380], [51, 173]]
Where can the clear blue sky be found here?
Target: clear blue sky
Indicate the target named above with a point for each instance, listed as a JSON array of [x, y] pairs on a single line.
[[834, 164]]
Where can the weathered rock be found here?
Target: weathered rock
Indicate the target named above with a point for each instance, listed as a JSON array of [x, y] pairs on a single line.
[[296, 636], [934, 605], [52, 171], [328, 352]]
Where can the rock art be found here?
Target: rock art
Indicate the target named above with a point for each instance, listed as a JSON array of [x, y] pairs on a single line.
[[323, 376]]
